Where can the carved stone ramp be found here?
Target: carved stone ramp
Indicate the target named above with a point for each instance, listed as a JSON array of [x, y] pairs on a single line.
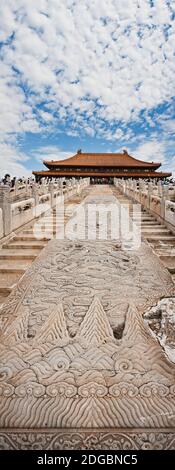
[[80, 368]]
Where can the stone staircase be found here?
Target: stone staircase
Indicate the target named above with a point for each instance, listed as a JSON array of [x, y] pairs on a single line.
[[19, 251], [16, 255], [159, 237]]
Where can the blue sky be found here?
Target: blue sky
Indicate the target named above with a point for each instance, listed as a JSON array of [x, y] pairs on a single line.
[[94, 74]]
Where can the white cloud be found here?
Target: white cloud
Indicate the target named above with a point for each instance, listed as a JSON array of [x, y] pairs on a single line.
[[92, 63], [168, 126], [155, 151], [46, 117], [51, 153], [11, 161], [74, 41], [152, 151], [118, 134]]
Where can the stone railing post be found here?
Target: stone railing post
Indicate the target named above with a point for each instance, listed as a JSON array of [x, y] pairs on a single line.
[[26, 187], [61, 188], [159, 188], [164, 197], [136, 194], [58, 186], [131, 188], [150, 191], [42, 186], [140, 189], [45, 187], [35, 194], [51, 191], [127, 187], [16, 188], [143, 186], [135, 185], [78, 187], [5, 205], [70, 188]]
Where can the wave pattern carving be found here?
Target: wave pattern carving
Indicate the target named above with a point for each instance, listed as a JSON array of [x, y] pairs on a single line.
[[91, 380]]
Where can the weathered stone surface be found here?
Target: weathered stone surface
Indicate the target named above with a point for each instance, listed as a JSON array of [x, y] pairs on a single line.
[[161, 319], [105, 439], [77, 357]]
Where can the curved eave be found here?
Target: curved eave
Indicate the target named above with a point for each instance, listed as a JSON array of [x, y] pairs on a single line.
[[67, 165], [150, 174]]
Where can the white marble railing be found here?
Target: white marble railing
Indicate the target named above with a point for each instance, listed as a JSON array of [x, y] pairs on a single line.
[[42, 198], [24, 190], [154, 198], [170, 212]]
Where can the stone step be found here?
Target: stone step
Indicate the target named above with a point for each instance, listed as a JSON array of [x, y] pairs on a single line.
[[49, 219], [37, 232], [164, 238], [16, 244], [165, 252], [39, 237], [13, 251], [47, 227], [9, 268], [169, 262], [151, 224], [159, 243], [43, 222], [166, 248], [146, 223], [16, 255], [31, 238], [9, 279], [147, 215], [5, 291], [154, 226], [148, 219], [155, 231]]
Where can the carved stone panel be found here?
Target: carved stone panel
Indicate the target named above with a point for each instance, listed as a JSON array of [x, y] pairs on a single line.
[[79, 365]]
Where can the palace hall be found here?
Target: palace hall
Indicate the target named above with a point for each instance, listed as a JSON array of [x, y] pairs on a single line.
[[101, 167]]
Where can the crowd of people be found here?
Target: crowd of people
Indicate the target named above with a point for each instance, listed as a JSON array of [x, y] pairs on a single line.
[[11, 181], [7, 180]]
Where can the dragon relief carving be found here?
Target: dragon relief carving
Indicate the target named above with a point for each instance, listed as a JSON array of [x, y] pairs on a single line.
[[80, 369]]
